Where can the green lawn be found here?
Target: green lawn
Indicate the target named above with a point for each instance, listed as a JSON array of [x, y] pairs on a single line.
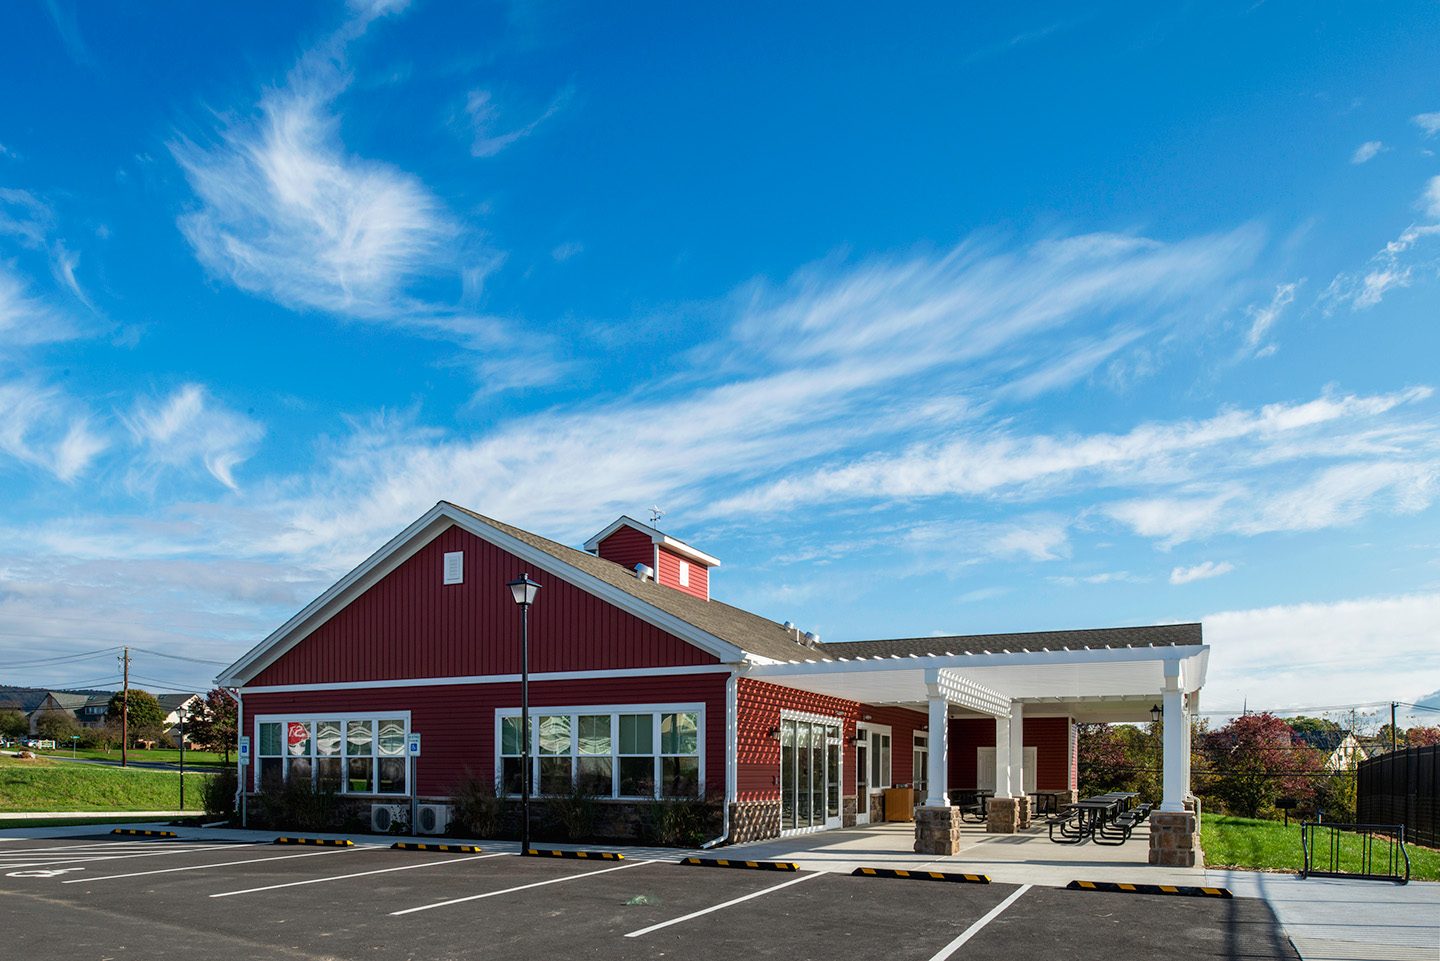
[[198, 759], [9, 824], [47, 785], [1234, 842]]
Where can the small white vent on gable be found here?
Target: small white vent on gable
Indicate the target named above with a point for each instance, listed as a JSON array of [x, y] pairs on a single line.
[[684, 573], [455, 567]]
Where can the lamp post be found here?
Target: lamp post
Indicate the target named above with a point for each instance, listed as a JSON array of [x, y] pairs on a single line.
[[523, 590], [182, 713], [1155, 715]]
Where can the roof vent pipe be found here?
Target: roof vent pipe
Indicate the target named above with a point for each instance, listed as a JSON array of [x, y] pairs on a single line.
[[811, 638], [643, 572], [789, 625]]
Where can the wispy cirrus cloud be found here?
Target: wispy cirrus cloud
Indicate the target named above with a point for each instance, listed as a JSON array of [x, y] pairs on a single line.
[[1262, 319], [1200, 572], [187, 428], [489, 135], [1429, 123], [1367, 152], [41, 427]]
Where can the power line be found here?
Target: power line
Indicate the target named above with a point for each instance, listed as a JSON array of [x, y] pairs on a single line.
[[86, 655], [180, 657]]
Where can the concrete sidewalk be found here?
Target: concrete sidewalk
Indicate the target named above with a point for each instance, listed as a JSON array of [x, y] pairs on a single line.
[[21, 815]]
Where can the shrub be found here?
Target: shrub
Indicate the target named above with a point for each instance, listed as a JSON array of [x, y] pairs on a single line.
[[571, 815], [219, 794], [296, 805], [678, 822], [478, 810]]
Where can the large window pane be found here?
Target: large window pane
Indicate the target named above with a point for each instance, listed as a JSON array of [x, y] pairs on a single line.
[[392, 739], [359, 738], [555, 775], [270, 739], [510, 742], [637, 777], [679, 733], [680, 776], [327, 773], [593, 775], [594, 734], [802, 775], [392, 774], [297, 738], [555, 734], [300, 769], [637, 734], [360, 775], [510, 769], [787, 774], [327, 739], [817, 774], [272, 772]]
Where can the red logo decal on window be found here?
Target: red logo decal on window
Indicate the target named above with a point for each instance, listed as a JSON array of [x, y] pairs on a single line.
[[298, 732]]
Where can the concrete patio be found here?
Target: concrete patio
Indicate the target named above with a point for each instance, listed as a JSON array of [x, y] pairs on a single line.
[[1025, 857]]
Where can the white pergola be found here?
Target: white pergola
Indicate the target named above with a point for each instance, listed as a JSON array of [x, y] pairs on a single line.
[[1115, 684]]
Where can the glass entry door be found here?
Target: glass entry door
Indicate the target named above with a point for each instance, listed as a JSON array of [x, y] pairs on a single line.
[[809, 774]]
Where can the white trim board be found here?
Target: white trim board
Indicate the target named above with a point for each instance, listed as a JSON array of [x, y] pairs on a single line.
[[409, 542], [618, 672]]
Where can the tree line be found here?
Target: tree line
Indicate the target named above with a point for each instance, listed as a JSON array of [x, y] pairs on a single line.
[[209, 725]]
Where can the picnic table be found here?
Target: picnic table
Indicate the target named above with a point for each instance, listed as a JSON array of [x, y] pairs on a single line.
[[1105, 819]]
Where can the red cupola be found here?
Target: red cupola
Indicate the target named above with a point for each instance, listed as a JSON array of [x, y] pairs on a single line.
[[670, 562]]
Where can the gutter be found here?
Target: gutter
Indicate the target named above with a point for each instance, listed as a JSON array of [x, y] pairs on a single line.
[[238, 698]]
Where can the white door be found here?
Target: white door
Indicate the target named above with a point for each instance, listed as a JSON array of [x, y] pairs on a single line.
[[985, 769], [810, 766]]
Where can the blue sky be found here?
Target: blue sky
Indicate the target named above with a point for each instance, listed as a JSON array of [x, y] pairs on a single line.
[[930, 321]]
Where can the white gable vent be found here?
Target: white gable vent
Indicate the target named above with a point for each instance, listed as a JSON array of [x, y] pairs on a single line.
[[455, 567]]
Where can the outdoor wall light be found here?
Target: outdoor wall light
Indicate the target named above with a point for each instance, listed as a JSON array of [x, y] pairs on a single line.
[[775, 733], [1155, 713]]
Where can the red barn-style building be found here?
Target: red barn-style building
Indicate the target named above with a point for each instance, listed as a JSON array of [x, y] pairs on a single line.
[[644, 686]]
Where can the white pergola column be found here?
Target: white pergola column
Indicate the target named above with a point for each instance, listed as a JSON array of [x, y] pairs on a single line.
[[1002, 757], [1191, 705], [938, 758], [1174, 783], [1017, 749]]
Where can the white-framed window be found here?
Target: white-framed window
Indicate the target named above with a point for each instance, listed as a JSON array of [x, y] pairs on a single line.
[[618, 751], [345, 753], [919, 763]]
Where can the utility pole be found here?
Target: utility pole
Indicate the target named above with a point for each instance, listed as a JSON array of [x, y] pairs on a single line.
[[125, 711]]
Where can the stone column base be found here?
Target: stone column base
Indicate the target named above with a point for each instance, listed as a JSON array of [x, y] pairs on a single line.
[[1175, 839], [1023, 812], [937, 830], [1003, 816]]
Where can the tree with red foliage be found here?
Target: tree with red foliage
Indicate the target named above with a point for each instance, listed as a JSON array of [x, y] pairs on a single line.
[[212, 723], [1422, 736], [1255, 759]]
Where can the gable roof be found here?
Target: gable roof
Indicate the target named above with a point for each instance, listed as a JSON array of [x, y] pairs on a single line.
[[170, 703], [1158, 635], [656, 537]]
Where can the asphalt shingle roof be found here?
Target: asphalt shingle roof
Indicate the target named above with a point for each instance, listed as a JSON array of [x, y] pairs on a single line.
[[1160, 635], [767, 638]]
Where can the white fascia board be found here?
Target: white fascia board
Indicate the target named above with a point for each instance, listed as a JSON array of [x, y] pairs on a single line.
[[656, 538], [1086, 655], [407, 543]]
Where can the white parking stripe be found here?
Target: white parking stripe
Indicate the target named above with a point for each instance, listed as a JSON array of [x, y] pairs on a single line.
[[110, 857], [720, 907], [358, 874], [14, 852], [523, 887], [222, 864], [974, 929]]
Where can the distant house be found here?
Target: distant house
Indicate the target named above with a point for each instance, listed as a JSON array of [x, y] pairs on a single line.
[[87, 707], [173, 705], [1343, 749]]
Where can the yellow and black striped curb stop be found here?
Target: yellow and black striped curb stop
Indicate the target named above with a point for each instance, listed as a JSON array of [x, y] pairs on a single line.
[[323, 842], [1179, 890], [581, 855], [452, 848], [754, 865], [145, 834], [921, 875]]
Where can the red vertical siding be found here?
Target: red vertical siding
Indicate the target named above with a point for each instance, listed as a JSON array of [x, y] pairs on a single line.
[[1050, 736], [669, 575], [410, 624], [758, 707], [457, 721], [628, 547]]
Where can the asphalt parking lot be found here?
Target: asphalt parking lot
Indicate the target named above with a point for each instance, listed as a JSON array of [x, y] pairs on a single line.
[[112, 897]]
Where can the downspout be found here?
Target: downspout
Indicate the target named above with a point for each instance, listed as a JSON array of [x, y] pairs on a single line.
[[732, 739]]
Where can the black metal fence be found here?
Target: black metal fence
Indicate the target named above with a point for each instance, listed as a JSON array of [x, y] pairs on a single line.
[[1402, 787]]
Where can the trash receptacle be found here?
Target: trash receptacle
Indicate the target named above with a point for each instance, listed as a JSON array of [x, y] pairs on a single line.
[[899, 804]]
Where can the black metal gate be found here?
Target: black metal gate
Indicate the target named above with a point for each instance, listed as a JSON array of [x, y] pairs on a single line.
[[1402, 787], [1374, 852]]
